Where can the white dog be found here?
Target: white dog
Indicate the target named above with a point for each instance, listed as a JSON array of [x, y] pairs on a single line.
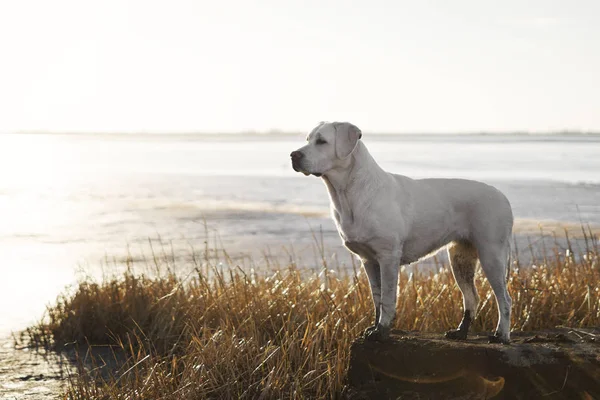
[[390, 220]]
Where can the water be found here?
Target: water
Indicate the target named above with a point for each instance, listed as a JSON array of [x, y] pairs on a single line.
[[70, 200]]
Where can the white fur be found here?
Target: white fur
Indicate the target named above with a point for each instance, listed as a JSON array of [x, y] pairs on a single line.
[[390, 220]]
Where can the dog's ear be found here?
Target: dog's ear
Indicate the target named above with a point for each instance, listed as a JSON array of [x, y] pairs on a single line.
[[346, 138]]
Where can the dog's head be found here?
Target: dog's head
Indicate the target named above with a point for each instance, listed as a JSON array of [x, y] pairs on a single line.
[[329, 144]]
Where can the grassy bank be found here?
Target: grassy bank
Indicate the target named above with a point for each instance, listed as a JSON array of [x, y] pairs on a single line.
[[286, 334]]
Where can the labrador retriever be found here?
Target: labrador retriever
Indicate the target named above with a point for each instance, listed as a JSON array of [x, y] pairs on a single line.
[[390, 220]]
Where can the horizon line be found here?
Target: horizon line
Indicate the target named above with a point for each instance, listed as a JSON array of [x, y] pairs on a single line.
[[278, 132]]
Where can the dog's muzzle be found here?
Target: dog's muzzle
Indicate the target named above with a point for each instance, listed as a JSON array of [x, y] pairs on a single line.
[[297, 157]]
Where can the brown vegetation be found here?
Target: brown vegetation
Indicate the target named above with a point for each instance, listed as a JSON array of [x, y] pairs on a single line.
[[285, 334]]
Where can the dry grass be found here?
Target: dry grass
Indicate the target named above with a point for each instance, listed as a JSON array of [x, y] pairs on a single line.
[[286, 335]]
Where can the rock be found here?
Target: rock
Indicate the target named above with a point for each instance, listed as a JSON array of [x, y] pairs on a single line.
[[558, 364]]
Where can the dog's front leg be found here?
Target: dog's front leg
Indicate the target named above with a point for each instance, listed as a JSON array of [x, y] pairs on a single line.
[[374, 275], [388, 267]]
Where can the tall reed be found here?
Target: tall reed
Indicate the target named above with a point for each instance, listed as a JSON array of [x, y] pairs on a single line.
[[222, 332]]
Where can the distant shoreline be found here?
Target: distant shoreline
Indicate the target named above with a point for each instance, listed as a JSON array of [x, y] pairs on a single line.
[[277, 133]]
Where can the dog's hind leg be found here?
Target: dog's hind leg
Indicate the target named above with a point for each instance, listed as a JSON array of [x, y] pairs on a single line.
[[463, 259], [494, 262]]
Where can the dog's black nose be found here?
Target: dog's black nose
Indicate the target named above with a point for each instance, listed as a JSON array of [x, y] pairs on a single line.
[[296, 155]]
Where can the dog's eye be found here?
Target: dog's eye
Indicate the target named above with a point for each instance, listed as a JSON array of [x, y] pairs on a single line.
[[320, 141]]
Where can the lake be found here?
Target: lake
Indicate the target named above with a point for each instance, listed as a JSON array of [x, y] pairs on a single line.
[[72, 202]]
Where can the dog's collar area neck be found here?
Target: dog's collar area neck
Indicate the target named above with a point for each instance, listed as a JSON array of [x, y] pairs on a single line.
[[339, 177], [359, 169]]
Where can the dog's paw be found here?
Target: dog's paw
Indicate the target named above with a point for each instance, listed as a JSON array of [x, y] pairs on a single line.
[[496, 338], [379, 333], [369, 330], [456, 334]]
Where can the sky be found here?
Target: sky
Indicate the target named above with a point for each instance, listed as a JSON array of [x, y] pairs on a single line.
[[227, 66]]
